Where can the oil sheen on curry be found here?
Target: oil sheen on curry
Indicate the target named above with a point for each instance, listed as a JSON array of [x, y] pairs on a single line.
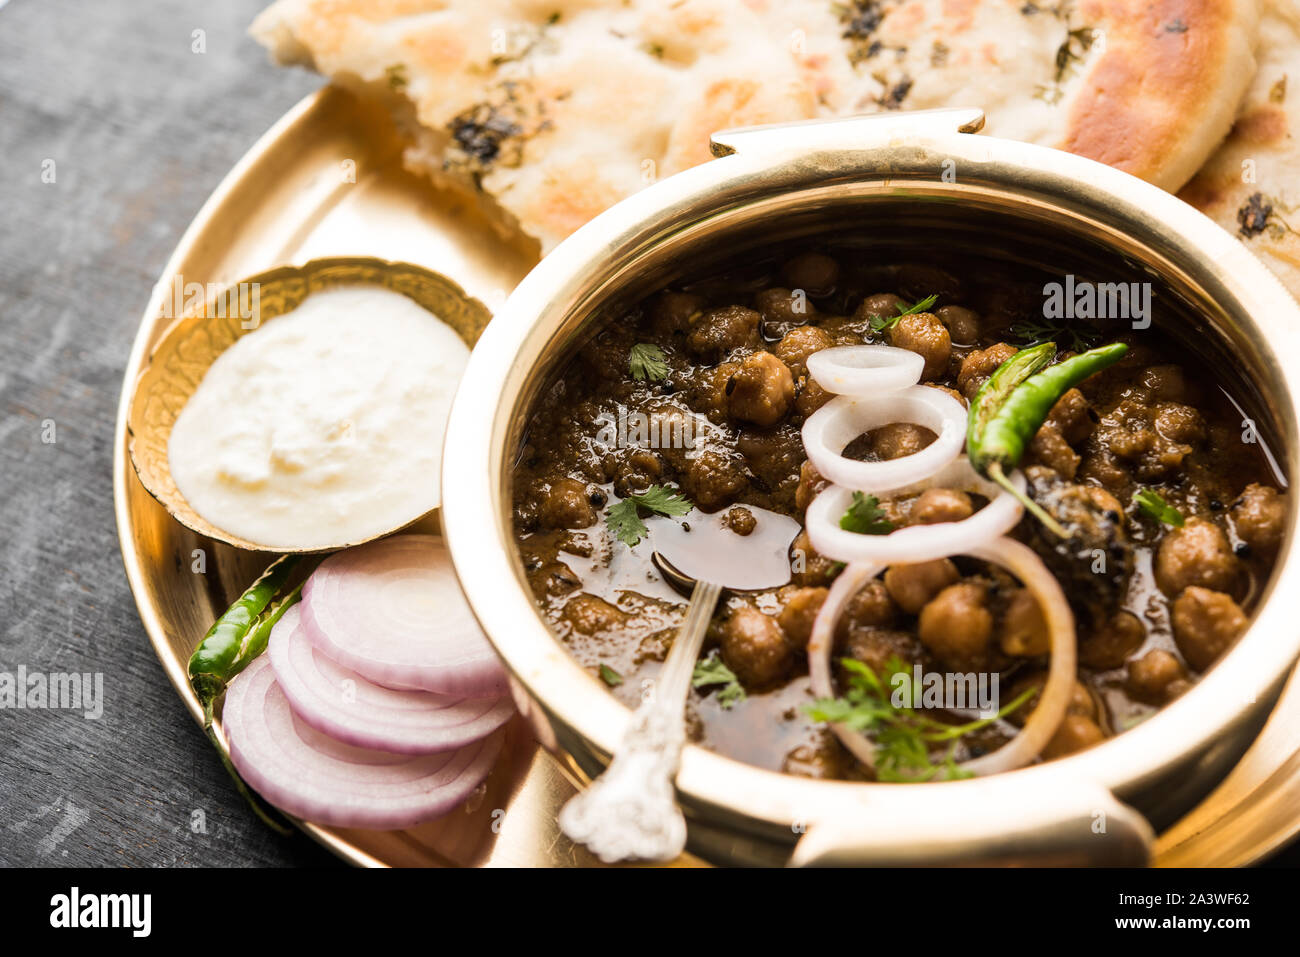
[[1145, 515]]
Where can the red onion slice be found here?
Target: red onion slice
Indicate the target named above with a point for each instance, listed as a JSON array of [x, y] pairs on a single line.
[[312, 776], [356, 711], [1048, 713], [393, 612]]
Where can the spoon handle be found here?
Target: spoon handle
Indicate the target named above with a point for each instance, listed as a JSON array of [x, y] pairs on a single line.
[[674, 679], [630, 812]]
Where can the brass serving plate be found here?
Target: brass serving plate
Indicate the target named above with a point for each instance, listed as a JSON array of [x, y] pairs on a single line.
[[193, 342], [326, 182], [290, 201]]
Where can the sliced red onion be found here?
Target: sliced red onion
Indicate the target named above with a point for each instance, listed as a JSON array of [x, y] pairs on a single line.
[[357, 711], [310, 775], [832, 427], [1046, 717], [393, 612], [865, 370], [916, 543]]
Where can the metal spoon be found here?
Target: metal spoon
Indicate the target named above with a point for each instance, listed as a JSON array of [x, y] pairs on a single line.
[[630, 812]]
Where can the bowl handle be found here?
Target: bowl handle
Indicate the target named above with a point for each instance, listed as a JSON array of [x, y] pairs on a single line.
[[848, 134], [1082, 824]]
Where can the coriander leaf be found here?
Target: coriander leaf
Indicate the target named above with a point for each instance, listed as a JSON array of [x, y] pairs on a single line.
[[902, 736], [610, 676], [1151, 502], [712, 671], [1076, 338], [648, 362], [881, 323], [661, 499], [866, 517], [625, 522]]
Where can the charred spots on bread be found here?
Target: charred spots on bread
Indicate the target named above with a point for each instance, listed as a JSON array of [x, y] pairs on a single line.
[[894, 94], [860, 20], [1253, 216], [492, 133], [1262, 214]]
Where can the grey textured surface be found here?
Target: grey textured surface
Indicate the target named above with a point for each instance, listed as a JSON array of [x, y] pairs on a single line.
[[140, 128]]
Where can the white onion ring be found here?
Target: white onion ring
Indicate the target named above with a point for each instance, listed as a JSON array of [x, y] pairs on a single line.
[[832, 427], [865, 370], [916, 543], [1054, 697]]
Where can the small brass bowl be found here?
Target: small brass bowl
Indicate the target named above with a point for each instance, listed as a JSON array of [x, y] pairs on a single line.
[[193, 342]]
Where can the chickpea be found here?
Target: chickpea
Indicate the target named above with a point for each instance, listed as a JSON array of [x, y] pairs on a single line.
[[881, 305], [1024, 629], [936, 505], [1198, 553], [811, 397], [719, 331], [1109, 645], [977, 366], [872, 606], [963, 324], [754, 647], [1154, 675], [1259, 517], [957, 626], [798, 344], [761, 391], [816, 273], [779, 305], [810, 486], [672, 312], [713, 479], [1076, 733], [1206, 623], [894, 441], [567, 504], [923, 333], [798, 612], [1072, 416], [912, 586]]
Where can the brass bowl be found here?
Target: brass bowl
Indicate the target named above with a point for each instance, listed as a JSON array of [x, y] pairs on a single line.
[[908, 182], [193, 342]]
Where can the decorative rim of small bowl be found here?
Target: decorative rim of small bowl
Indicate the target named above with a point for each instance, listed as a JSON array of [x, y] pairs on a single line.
[[188, 347]]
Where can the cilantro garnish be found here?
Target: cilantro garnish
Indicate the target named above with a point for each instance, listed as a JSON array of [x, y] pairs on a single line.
[[712, 671], [625, 522], [1153, 503], [866, 517], [881, 323], [1076, 338], [647, 361], [903, 737], [610, 676]]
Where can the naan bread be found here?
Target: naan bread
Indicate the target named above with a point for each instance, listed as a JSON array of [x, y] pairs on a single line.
[[553, 111], [1251, 186]]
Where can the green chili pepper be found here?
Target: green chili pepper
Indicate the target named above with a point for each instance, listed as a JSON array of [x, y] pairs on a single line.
[[995, 392], [213, 663], [1013, 405], [237, 637]]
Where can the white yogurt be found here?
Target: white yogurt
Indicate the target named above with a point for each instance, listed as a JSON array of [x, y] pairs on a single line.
[[325, 426]]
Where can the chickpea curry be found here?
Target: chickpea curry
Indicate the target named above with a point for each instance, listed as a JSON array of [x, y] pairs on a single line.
[[1152, 503]]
